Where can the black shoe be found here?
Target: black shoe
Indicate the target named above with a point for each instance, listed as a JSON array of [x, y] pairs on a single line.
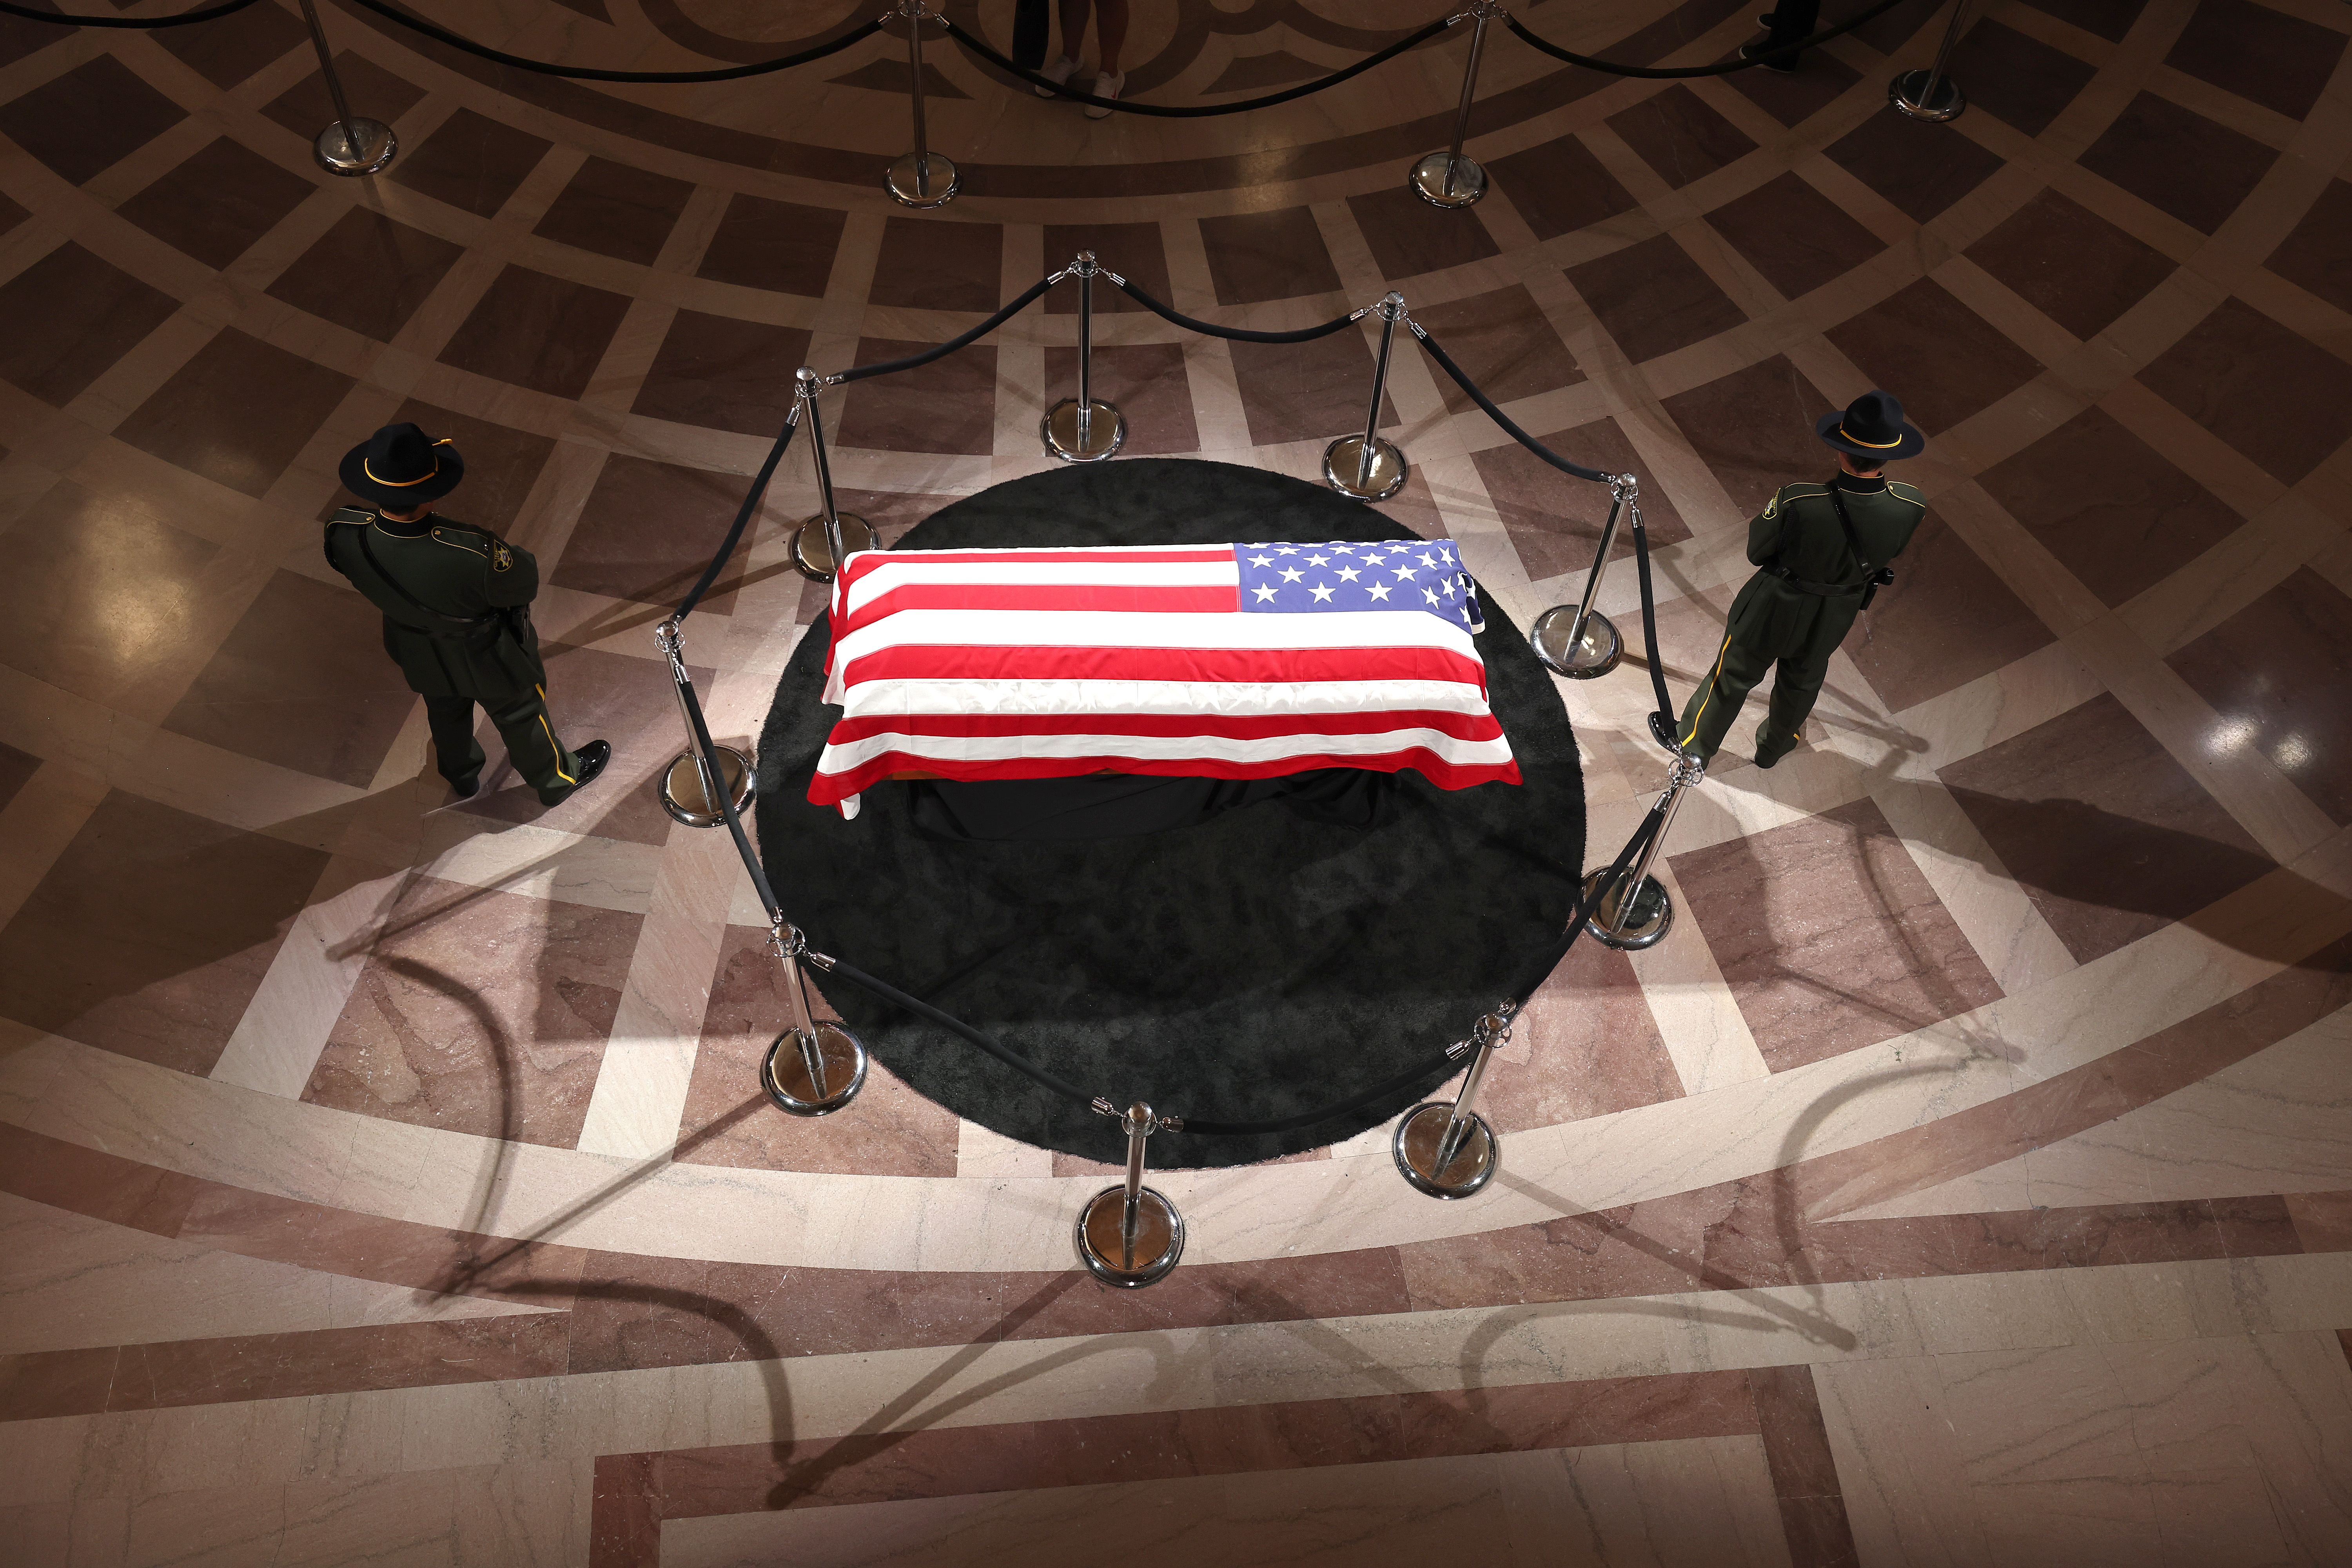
[[465, 788], [1766, 21], [1786, 64], [593, 758]]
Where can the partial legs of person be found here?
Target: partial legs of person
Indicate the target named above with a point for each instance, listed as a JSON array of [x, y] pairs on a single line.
[[1790, 22], [456, 753], [1796, 685], [1110, 35], [1707, 716]]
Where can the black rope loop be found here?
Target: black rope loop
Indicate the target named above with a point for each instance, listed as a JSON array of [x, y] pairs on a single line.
[[857, 34], [1510, 427], [1662, 723], [962, 339], [980, 47], [145, 24], [742, 515], [1238, 334], [1723, 67]]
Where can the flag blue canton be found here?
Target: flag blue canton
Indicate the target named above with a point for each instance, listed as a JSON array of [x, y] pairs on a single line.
[[1415, 574]]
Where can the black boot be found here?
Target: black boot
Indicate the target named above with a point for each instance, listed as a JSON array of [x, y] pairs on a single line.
[[593, 758]]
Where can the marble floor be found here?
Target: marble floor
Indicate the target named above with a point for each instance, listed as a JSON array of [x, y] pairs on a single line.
[[1966, 1182]]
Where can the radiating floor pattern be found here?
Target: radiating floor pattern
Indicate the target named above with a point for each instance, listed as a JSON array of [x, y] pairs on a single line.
[[1968, 1181]]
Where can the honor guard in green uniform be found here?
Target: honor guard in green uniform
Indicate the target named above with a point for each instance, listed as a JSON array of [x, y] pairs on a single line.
[[457, 612], [1822, 551]]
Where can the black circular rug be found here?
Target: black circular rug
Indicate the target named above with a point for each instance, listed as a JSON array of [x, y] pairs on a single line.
[[1253, 966]]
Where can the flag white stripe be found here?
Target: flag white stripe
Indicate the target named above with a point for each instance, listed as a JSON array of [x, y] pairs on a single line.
[[1235, 698], [848, 755]]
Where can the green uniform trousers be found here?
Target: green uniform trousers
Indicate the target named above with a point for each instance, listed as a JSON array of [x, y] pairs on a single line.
[[1772, 625], [542, 759]]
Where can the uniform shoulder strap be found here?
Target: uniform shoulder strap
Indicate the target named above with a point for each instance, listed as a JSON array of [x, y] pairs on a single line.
[[376, 566]]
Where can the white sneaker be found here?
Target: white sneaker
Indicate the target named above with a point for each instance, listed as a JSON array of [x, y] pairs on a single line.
[[1057, 73], [1104, 86]]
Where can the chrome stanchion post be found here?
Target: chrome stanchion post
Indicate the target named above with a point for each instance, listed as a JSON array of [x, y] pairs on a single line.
[[1636, 912], [1581, 642], [1130, 1236], [691, 785], [1079, 429], [351, 145], [813, 1069], [1450, 1150], [1448, 179], [1930, 94], [832, 536], [922, 178], [1366, 466]]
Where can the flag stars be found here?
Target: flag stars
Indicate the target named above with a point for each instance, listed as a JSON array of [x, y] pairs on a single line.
[[1264, 594], [1405, 573], [1430, 593], [1349, 573], [1323, 594], [1319, 561], [1380, 590], [1261, 560], [1291, 574]]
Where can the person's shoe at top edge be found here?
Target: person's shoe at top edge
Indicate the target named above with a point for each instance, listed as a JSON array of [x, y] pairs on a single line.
[[1104, 86], [1057, 73]]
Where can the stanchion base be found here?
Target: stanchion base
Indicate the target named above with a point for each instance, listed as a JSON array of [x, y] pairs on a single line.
[[1158, 1238], [690, 804], [1429, 181], [1904, 93], [1595, 653], [1644, 925], [785, 1076], [1415, 1147], [1344, 471], [934, 187], [368, 149], [1106, 432], [812, 551]]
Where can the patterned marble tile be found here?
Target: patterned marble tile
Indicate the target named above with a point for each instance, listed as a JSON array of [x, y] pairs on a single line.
[[617, 210], [236, 412], [152, 931], [1920, 168], [2111, 837], [1792, 234], [1942, 359], [470, 162], [74, 316], [215, 206], [546, 333], [403, 265], [724, 374], [1554, 522], [228, 50], [480, 1012], [306, 109], [1147, 382], [2301, 724], [1559, 187], [1653, 298], [90, 119], [2273, 394], [2070, 264], [1503, 340], [763, 244], [1134, 250], [1408, 236], [1273, 254], [2177, 161], [942, 264], [2271, 57], [2016, 77], [948, 405], [1679, 136], [2318, 254]]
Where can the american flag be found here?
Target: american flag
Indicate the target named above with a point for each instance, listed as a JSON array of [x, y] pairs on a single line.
[[1228, 661]]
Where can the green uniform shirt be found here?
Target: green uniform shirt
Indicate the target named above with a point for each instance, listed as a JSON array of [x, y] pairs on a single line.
[[1797, 531], [490, 652]]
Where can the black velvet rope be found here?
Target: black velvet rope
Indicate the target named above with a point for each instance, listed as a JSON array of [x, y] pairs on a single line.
[[949, 1021], [1723, 67], [962, 339], [586, 73], [1662, 723], [743, 520], [145, 23], [1238, 334], [980, 46], [1510, 428], [701, 730]]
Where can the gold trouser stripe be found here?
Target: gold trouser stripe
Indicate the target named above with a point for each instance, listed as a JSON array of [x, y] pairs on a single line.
[[1721, 654], [558, 749]]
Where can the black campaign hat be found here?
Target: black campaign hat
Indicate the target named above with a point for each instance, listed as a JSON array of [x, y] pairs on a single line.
[[402, 468], [1872, 427]]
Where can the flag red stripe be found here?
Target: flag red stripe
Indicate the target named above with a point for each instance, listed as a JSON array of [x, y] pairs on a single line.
[[1234, 727], [827, 789], [1025, 597], [1016, 662]]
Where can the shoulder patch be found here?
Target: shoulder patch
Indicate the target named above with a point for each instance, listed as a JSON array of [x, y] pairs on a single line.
[[501, 557]]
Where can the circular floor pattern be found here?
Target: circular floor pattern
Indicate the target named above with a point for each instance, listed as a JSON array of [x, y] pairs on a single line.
[[1253, 966]]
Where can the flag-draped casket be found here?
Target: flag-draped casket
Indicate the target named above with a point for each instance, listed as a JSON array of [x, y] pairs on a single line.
[[1227, 661]]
